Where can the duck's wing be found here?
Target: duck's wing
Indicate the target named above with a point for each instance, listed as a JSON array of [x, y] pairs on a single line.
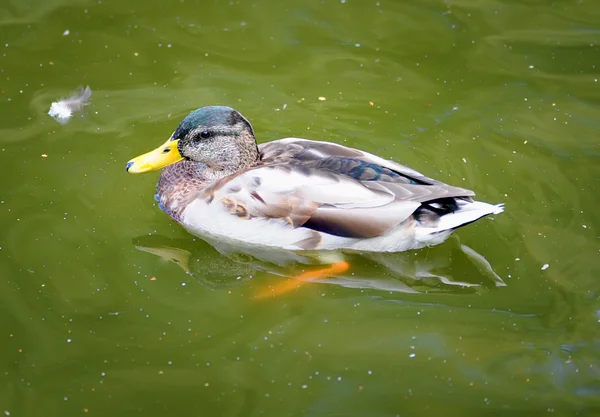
[[303, 193], [352, 162]]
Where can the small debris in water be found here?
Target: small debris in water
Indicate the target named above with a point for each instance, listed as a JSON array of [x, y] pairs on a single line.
[[322, 98], [44, 155], [66, 32], [464, 160], [371, 103], [153, 279], [545, 266], [63, 110]]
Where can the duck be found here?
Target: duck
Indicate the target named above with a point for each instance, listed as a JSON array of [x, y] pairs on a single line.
[[298, 194]]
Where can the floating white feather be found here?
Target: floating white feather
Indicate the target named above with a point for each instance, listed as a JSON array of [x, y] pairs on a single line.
[[63, 110]]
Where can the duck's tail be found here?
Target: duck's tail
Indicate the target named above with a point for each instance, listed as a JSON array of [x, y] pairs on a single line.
[[434, 219]]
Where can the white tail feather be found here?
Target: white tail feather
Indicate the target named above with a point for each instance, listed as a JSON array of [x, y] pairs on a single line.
[[467, 212]]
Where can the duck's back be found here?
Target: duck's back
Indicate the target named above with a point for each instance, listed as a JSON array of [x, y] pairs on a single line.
[[359, 165]]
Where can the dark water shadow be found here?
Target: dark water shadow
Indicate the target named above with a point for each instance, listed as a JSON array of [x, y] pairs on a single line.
[[449, 268]]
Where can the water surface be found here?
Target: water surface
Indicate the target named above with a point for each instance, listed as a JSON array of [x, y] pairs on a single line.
[[110, 308]]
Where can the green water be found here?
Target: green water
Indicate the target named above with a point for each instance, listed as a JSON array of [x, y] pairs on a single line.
[[501, 97]]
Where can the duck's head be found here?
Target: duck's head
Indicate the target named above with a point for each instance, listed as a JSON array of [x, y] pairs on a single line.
[[217, 136]]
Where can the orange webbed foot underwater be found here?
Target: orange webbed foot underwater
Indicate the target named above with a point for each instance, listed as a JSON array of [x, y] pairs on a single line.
[[304, 278]]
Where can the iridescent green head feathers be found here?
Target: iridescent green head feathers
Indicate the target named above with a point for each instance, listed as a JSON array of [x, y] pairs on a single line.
[[213, 119]]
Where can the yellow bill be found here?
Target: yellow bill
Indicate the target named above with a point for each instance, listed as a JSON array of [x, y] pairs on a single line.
[[160, 157]]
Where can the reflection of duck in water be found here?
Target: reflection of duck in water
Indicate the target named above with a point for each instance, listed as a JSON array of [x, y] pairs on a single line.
[[298, 194], [409, 272]]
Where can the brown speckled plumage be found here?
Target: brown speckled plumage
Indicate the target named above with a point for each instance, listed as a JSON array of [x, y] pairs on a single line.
[[308, 194], [184, 181], [178, 185]]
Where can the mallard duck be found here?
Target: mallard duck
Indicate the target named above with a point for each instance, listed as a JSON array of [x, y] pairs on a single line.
[[298, 194]]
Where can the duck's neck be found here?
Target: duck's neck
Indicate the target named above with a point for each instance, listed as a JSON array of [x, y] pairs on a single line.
[[227, 160], [179, 184]]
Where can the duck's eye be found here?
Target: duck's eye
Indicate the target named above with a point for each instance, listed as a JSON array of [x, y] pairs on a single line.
[[205, 134]]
